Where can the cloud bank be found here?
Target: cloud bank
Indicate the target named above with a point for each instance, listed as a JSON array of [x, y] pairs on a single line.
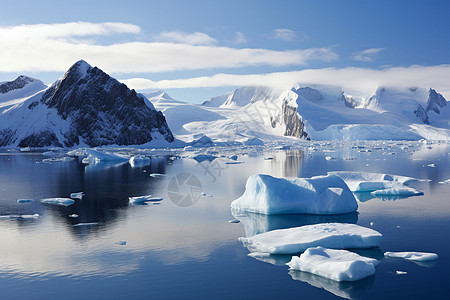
[[55, 47], [358, 81]]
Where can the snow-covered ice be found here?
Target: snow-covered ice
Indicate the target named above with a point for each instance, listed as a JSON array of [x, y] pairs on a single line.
[[86, 224], [338, 265], [298, 239], [369, 182], [317, 195], [397, 191], [204, 157], [414, 256], [156, 175], [96, 156], [58, 201], [139, 160]]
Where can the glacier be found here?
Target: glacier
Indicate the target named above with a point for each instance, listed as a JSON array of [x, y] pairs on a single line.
[[338, 265], [317, 195], [298, 239]]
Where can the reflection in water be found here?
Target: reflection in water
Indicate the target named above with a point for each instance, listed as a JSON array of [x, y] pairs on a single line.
[[348, 290], [258, 223], [287, 163], [273, 259]]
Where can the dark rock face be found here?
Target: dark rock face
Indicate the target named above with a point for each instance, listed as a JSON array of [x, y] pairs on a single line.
[[18, 83], [293, 121], [421, 114], [435, 101], [101, 111]]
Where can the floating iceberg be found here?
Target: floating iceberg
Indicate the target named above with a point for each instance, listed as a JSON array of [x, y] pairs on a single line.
[[338, 265], [97, 156], [369, 182], [324, 195], [298, 239], [143, 199], [78, 195], [58, 201], [139, 160], [414, 256], [253, 142], [202, 140]]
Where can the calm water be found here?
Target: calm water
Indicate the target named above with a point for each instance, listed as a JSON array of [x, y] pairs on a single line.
[[186, 248]]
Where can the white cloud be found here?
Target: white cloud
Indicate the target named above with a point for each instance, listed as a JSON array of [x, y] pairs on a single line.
[[50, 47], [196, 38], [367, 55], [358, 81], [240, 38], [284, 34]]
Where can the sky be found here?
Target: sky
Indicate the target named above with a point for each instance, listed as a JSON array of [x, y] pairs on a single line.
[[195, 50]]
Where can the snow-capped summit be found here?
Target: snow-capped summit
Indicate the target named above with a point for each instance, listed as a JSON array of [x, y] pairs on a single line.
[[84, 107], [19, 83], [243, 96], [12, 92], [435, 101]]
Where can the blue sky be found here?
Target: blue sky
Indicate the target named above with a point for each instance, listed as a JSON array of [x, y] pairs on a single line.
[[198, 49]]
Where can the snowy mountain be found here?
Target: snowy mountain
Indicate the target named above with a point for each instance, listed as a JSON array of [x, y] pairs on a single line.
[[13, 92], [84, 107], [316, 112]]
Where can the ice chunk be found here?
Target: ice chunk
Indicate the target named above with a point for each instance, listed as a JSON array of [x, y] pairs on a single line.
[[233, 157], [98, 156], [58, 201], [202, 157], [156, 175], [78, 195], [86, 224], [139, 160], [73, 216], [21, 201], [317, 195], [143, 199], [298, 239], [369, 182], [49, 154], [34, 216], [415, 256], [338, 265], [398, 191], [201, 141], [122, 243], [401, 272]]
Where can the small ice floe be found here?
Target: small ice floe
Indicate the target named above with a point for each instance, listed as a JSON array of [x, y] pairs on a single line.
[[73, 216], [189, 148], [234, 221], [203, 194], [21, 201], [431, 165], [371, 223], [86, 224], [400, 273], [157, 175], [330, 158], [122, 243], [338, 265], [58, 201], [317, 195], [233, 157], [234, 162], [49, 154], [143, 199], [57, 159], [369, 182], [78, 195], [139, 160], [298, 239], [445, 181], [268, 158], [34, 216], [25, 149], [414, 256]]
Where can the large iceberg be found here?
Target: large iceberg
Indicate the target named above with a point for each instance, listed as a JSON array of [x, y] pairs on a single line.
[[322, 195], [338, 265], [298, 239], [370, 182], [98, 156], [139, 160], [414, 256]]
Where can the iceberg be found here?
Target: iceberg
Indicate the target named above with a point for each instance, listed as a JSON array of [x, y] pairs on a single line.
[[58, 201], [204, 157], [324, 195], [370, 182], [414, 256], [298, 239], [338, 265], [98, 156], [139, 160], [253, 142]]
